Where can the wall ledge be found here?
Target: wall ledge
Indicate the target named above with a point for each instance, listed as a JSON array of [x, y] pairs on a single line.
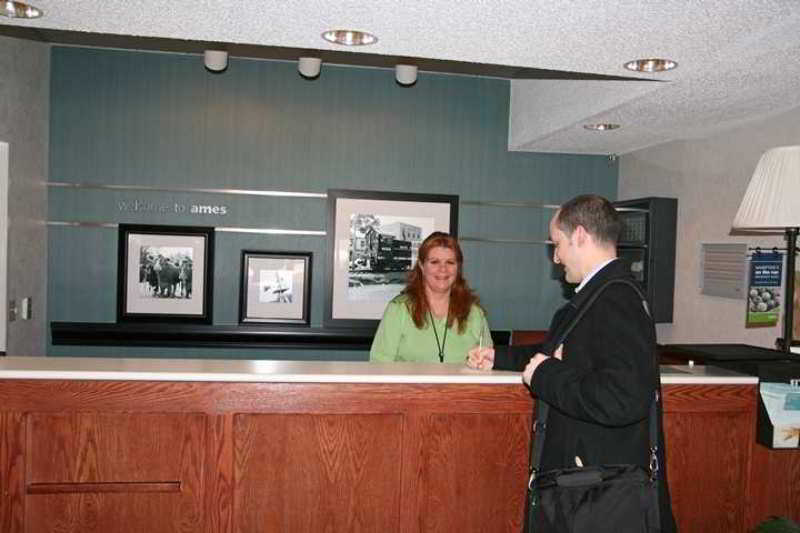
[[217, 336]]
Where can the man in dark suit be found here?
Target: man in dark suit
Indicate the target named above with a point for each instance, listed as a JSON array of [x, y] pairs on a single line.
[[600, 381]]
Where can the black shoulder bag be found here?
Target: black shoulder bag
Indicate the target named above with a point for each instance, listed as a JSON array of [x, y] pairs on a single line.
[[606, 498]]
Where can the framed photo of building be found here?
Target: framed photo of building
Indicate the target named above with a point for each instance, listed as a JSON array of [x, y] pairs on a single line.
[[165, 273], [275, 288], [373, 238]]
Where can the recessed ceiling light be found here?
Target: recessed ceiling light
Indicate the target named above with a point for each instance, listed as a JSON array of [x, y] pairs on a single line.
[[349, 37], [605, 126], [652, 64], [18, 10]]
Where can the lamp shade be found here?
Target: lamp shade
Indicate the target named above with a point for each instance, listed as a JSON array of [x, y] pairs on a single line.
[[772, 200]]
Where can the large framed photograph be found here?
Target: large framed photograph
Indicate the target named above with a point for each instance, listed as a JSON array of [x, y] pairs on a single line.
[[275, 287], [165, 273], [373, 238]]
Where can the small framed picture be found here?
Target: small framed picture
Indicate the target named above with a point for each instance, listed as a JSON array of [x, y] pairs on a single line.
[[275, 288], [164, 273]]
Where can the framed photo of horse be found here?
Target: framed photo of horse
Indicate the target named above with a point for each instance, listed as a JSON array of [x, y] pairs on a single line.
[[275, 288], [165, 273]]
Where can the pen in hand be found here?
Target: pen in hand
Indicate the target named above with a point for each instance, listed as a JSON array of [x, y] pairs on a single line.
[[480, 348], [475, 356]]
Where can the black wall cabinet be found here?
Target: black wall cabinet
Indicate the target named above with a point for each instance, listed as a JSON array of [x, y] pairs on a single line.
[[647, 245]]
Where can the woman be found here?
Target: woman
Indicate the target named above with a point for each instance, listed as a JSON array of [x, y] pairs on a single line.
[[436, 317]]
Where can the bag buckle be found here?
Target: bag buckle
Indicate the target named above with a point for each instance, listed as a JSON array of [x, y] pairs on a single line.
[[653, 464], [531, 479]]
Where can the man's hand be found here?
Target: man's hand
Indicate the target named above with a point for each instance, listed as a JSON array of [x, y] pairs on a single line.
[[481, 358], [536, 360]]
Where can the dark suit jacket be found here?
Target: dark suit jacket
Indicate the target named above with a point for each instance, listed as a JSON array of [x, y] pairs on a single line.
[[600, 392]]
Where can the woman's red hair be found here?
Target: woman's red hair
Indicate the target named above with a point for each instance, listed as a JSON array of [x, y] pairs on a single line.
[[461, 296]]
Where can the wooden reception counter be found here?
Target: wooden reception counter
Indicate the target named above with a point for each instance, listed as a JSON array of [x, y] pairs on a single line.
[[154, 445]]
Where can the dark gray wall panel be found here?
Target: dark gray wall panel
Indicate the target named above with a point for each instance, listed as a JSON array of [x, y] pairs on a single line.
[[148, 119]]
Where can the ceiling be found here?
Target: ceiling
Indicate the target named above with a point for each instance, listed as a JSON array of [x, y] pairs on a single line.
[[739, 60]]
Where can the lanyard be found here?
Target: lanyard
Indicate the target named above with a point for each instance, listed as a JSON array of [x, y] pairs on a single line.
[[444, 337]]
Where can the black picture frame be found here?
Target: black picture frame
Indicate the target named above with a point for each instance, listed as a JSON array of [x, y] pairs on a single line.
[[360, 280], [143, 295], [275, 288]]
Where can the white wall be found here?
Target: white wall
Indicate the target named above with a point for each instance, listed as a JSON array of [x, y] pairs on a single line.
[[24, 118], [3, 240], [709, 177]]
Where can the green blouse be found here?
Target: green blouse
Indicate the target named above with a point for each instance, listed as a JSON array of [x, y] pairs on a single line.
[[398, 339]]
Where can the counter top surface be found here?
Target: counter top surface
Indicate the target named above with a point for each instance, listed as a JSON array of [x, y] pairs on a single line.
[[119, 369], [698, 374]]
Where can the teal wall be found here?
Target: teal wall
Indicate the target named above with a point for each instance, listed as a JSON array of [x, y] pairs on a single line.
[[152, 119]]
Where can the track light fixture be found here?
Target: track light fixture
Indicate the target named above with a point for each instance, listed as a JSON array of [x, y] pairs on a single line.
[[216, 60], [405, 74], [309, 67]]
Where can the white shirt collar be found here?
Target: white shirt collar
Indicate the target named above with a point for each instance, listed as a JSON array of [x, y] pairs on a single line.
[[591, 274]]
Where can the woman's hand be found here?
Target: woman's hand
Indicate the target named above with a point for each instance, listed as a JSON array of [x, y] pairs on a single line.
[[480, 358]]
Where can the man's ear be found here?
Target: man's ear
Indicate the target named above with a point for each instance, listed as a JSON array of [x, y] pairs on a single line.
[[581, 235]]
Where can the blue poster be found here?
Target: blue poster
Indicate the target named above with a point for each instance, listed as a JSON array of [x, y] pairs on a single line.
[[764, 295]]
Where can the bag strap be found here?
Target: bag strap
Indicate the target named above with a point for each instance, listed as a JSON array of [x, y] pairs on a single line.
[[539, 426]]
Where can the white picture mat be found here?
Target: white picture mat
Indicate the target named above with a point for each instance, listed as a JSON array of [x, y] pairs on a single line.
[[341, 306], [256, 309], [136, 304]]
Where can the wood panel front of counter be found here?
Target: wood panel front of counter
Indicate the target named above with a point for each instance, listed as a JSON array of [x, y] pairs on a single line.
[[133, 456], [710, 434]]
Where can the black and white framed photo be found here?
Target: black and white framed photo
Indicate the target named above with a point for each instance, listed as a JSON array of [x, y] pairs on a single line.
[[165, 273], [275, 288], [373, 238]]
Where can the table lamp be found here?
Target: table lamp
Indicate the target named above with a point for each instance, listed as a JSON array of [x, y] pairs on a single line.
[[772, 203]]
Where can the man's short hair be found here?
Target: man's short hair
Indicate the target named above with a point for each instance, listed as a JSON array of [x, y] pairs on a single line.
[[596, 214]]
